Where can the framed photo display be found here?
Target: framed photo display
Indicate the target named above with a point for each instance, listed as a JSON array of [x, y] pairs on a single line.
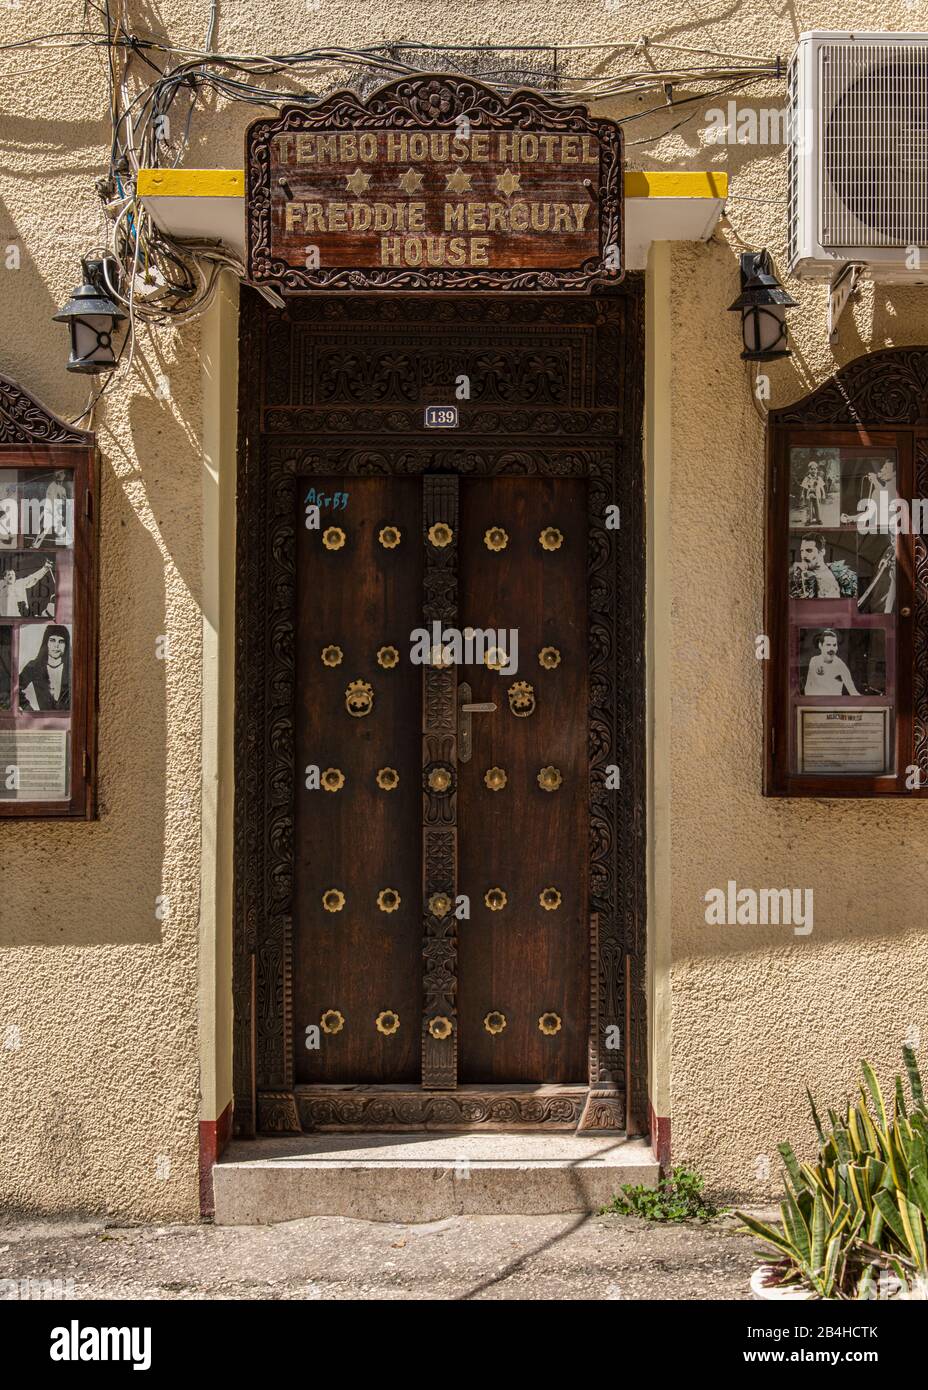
[[47, 612], [846, 685]]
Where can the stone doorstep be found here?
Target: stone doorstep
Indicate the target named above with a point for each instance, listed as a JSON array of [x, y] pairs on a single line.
[[424, 1177]]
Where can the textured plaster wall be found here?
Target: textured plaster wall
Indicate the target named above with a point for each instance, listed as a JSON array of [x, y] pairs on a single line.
[[759, 1013], [99, 1099], [105, 1081]]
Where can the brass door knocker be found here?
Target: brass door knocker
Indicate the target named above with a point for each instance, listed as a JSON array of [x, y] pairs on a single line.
[[359, 699], [521, 699]]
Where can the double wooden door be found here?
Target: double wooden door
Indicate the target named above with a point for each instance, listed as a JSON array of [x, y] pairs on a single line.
[[441, 915], [440, 911]]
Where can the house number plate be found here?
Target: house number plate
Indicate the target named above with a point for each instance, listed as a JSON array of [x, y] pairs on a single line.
[[441, 417]]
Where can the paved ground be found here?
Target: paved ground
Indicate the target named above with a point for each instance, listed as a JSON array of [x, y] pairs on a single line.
[[463, 1257]]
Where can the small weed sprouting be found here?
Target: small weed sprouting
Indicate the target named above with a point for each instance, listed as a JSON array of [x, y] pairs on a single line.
[[676, 1198]]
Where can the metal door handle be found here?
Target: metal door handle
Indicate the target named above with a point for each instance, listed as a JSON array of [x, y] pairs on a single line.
[[465, 710]]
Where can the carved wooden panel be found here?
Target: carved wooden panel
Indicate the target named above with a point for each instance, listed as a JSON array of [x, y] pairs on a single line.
[[440, 530], [335, 1108], [881, 388], [332, 374], [24, 420]]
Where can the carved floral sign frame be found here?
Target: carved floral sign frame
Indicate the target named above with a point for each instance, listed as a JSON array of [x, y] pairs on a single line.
[[431, 103]]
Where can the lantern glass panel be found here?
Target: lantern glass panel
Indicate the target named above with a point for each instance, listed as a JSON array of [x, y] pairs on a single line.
[[765, 328], [93, 339]]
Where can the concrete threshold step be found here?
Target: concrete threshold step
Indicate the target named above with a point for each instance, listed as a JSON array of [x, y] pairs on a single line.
[[424, 1177]]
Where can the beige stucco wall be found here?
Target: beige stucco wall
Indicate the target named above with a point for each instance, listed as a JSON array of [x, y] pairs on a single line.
[[758, 1013], [99, 1102], [123, 1018]]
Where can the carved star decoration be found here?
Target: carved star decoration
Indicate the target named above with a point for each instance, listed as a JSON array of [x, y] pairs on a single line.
[[508, 182], [458, 182], [357, 182], [411, 182]]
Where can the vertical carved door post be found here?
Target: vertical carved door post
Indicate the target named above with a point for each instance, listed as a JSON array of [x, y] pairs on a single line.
[[439, 790]]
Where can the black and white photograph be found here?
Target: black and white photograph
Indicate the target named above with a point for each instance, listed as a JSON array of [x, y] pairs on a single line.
[[6, 666], [28, 585], [841, 662], [815, 487], [9, 509], [866, 478], [876, 574], [44, 668], [823, 565], [47, 508]]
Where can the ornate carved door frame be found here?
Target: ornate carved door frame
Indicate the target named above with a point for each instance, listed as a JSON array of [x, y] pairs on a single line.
[[337, 386]]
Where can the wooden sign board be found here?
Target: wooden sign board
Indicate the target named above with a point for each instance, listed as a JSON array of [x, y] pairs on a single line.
[[434, 183]]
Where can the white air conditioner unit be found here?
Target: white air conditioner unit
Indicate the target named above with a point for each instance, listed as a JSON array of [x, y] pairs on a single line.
[[858, 155]]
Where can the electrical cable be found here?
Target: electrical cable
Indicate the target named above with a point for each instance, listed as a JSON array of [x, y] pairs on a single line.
[[158, 278]]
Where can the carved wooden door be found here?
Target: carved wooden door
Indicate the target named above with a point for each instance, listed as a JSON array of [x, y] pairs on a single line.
[[447, 929], [440, 906]]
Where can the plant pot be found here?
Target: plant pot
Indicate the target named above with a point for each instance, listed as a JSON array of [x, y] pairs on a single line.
[[777, 1293]]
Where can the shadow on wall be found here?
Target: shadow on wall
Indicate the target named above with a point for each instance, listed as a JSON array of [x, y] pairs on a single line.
[[33, 349], [62, 145], [78, 883]]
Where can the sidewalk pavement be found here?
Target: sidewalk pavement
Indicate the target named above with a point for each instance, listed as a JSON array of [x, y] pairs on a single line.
[[461, 1258]]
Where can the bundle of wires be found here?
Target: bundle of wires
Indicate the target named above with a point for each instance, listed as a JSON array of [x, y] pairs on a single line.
[[158, 278]]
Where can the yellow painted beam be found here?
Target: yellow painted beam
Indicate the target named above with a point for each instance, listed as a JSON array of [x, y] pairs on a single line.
[[640, 183], [191, 183], [230, 183]]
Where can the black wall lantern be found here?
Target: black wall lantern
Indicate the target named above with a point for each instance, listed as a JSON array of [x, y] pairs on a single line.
[[763, 303], [92, 318]]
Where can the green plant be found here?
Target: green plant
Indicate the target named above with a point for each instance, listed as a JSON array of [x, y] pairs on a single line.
[[862, 1207], [676, 1198]]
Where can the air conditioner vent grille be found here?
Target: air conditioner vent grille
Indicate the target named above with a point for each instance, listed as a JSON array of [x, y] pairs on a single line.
[[874, 150]]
